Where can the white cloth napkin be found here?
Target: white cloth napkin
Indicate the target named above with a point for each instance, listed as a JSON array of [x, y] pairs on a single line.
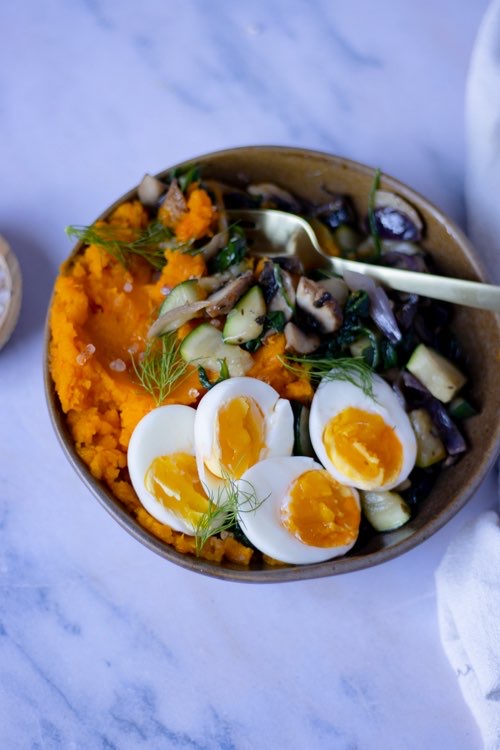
[[468, 597], [468, 578]]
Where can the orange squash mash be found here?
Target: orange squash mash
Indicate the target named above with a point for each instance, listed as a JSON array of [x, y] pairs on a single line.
[[99, 318]]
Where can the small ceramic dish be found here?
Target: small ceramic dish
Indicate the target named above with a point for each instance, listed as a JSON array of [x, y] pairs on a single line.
[[313, 176]]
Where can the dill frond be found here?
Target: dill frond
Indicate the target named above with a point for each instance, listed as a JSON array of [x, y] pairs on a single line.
[[224, 509], [162, 367], [120, 242], [348, 369]]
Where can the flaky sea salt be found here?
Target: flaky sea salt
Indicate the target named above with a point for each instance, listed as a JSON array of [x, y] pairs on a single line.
[[193, 393], [165, 290], [127, 287], [85, 354], [117, 365]]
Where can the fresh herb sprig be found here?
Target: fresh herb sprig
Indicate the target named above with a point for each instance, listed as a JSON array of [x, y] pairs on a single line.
[[186, 176], [146, 243], [224, 508], [352, 370], [162, 367]]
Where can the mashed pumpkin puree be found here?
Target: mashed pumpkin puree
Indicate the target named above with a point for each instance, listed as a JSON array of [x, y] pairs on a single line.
[[99, 318]]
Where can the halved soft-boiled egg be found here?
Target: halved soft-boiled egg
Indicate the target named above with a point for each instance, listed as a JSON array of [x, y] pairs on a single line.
[[162, 467], [364, 439], [239, 422], [293, 510]]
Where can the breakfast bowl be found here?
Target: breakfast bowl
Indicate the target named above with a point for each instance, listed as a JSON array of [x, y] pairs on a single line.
[[101, 434]]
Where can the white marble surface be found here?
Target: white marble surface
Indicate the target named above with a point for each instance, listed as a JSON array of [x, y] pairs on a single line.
[[103, 644]]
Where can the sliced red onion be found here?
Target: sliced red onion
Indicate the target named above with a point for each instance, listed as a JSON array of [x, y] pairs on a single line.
[[407, 311], [380, 307], [418, 394]]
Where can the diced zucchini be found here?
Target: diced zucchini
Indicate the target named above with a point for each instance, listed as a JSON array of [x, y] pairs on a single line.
[[302, 445], [385, 510], [205, 346], [183, 294], [459, 408], [437, 373], [430, 448], [358, 347], [246, 320], [366, 347]]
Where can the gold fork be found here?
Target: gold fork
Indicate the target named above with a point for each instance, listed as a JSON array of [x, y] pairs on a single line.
[[278, 233]]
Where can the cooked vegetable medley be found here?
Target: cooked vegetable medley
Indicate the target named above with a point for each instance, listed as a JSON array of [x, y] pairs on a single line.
[[239, 405]]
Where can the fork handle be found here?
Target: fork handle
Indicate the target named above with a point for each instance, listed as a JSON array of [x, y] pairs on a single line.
[[459, 291]]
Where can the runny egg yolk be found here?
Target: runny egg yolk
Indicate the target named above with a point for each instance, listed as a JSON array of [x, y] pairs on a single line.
[[173, 480], [321, 512], [363, 447], [240, 435]]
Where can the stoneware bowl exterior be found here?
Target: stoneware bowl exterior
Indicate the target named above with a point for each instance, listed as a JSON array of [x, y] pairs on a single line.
[[313, 176]]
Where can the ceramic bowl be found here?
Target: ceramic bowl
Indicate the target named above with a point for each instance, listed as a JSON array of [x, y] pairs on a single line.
[[311, 175]]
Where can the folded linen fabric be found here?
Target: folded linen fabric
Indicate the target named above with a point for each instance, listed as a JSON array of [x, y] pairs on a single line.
[[468, 597]]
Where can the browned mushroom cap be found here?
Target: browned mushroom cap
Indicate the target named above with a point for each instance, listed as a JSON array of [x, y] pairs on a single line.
[[222, 301], [315, 300], [298, 342]]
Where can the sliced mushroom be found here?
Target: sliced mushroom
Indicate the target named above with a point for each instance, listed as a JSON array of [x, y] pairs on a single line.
[[174, 202], [176, 317], [279, 291], [337, 288], [150, 190], [268, 281], [298, 342], [217, 280], [213, 246], [275, 196], [290, 263], [222, 301], [315, 300]]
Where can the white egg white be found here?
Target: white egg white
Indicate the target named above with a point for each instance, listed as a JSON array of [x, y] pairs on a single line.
[[270, 481], [164, 431], [278, 438], [333, 396]]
